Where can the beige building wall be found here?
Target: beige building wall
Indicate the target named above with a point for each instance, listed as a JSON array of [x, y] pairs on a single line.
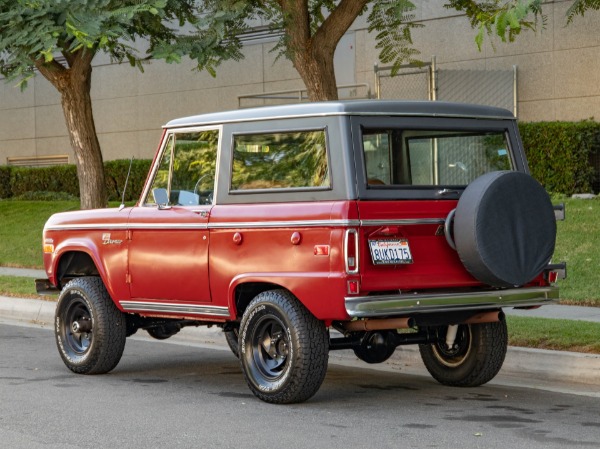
[[558, 79]]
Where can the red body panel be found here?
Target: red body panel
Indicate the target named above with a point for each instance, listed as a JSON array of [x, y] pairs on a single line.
[[101, 234], [435, 264], [168, 254], [275, 243], [153, 255]]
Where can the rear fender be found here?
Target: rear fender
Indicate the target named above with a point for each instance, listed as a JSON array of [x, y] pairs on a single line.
[[327, 305]]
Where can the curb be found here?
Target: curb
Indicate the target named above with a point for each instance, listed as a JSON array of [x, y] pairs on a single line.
[[540, 364]]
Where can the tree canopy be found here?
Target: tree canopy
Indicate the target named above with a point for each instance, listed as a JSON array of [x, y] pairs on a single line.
[[60, 38], [313, 28], [37, 32], [507, 19]]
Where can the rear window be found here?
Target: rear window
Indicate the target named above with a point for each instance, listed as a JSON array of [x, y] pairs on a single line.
[[431, 158], [283, 160]]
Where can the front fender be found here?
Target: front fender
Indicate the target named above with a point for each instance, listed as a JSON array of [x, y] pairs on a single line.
[[87, 246]]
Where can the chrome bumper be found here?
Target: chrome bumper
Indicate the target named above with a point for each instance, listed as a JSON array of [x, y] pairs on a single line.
[[410, 304]]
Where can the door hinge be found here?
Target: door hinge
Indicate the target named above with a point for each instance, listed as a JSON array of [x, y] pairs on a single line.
[[128, 278], [128, 234]]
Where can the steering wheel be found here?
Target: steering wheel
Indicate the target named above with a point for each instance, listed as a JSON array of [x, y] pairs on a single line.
[[209, 197]]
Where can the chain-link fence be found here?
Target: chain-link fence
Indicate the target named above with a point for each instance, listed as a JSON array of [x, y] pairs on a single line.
[[410, 83], [356, 91], [488, 87]]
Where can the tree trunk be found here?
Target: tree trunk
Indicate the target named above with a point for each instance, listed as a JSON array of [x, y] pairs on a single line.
[[313, 54], [74, 85], [317, 72]]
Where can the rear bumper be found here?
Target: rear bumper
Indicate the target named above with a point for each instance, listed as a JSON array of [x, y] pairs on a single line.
[[410, 304]]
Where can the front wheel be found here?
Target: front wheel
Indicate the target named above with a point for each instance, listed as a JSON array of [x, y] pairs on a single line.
[[90, 331], [475, 358], [232, 340], [283, 348]]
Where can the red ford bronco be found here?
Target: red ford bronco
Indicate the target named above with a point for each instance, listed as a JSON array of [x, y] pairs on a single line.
[[302, 229]]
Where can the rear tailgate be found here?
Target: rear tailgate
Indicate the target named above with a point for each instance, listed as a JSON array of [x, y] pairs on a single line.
[[403, 247]]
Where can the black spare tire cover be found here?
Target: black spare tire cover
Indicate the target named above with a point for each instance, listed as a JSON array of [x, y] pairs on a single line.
[[504, 228]]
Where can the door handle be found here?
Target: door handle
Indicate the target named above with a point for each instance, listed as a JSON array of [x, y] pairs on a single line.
[[202, 212]]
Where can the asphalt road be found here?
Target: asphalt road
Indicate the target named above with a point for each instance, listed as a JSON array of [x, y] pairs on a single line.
[[171, 395]]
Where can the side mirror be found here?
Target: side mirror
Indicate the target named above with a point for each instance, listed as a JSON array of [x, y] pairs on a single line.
[[161, 198]]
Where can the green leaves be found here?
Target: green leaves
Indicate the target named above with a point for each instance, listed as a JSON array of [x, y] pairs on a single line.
[[559, 153], [504, 19], [42, 30], [579, 7], [393, 24]]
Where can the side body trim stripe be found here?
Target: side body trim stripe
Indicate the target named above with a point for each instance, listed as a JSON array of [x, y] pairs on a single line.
[[250, 224], [188, 309]]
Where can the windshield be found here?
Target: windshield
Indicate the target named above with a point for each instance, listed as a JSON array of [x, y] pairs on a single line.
[[395, 157]]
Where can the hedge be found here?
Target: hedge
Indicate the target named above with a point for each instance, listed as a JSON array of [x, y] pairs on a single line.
[[560, 154], [19, 181], [5, 189]]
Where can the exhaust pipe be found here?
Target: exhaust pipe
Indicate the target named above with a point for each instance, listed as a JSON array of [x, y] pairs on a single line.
[[378, 325], [486, 317]]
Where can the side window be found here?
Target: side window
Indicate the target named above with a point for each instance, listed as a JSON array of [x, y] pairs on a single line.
[[377, 158], [431, 158], [280, 161], [186, 173]]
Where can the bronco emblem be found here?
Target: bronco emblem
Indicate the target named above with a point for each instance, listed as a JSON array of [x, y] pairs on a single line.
[[106, 240]]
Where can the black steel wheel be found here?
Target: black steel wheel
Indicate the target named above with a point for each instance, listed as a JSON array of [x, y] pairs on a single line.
[[475, 358], [284, 348], [89, 329], [232, 340]]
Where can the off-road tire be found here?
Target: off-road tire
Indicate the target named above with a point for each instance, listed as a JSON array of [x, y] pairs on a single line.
[[283, 350], [98, 351], [477, 359], [232, 341]]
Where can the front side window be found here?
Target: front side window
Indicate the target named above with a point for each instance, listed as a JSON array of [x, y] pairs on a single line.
[[186, 172], [282, 160], [432, 158]]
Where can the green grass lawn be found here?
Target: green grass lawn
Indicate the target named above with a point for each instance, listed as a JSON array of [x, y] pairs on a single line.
[[21, 224], [578, 244], [21, 287], [562, 335]]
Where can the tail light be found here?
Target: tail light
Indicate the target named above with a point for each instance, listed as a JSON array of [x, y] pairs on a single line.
[[351, 255]]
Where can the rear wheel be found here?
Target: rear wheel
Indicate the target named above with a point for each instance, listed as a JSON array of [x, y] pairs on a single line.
[[475, 358], [90, 331], [284, 348]]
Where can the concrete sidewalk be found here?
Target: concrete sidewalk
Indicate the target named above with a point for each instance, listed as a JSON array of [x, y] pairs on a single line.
[[23, 272]]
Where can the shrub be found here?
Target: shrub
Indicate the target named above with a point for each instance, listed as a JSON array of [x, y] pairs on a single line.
[[5, 190], [115, 174], [41, 182], [45, 196], [559, 154], [58, 178]]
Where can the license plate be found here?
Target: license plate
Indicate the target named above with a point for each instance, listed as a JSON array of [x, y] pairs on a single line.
[[390, 252]]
